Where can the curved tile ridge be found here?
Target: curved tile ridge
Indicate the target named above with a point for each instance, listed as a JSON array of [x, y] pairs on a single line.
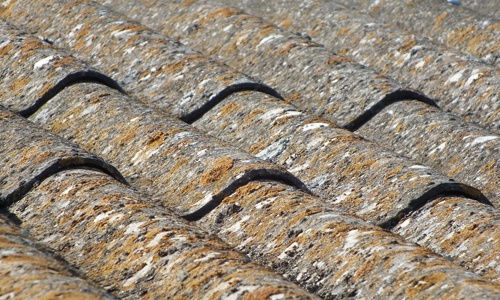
[[140, 250], [454, 26], [333, 162], [29, 271], [143, 61], [335, 254], [29, 154], [437, 139], [34, 71], [461, 84], [357, 176], [266, 50], [460, 229], [164, 157], [312, 77]]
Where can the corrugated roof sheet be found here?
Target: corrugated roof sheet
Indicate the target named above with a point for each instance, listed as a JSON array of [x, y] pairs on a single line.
[[166, 173]]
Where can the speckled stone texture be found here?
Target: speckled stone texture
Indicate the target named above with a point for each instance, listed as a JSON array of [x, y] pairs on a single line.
[[341, 167], [337, 165], [30, 271], [143, 61], [34, 71], [139, 250], [454, 26], [427, 135], [29, 154], [458, 82], [335, 254], [335, 86], [460, 229], [487, 7], [166, 158]]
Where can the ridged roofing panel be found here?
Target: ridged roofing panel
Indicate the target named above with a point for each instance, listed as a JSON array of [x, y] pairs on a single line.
[[33, 71], [30, 271], [435, 138], [468, 230], [29, 154], [349, 172], [334, 163], [462, 84], [336, 85], [332, 253], [139, 250], [452, 25], [188, 170], [144, 62]]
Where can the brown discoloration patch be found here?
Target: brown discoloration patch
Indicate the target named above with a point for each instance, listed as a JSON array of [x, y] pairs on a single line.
[[220, 167], [18, 85], [228, 108], [338, 60], [156, 139], [440, 18]]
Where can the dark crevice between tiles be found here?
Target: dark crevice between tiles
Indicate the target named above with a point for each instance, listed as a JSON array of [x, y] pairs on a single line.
[[56, 167], [442, 190], [397, 96], [74, 78], [196, 114], [248, 177]]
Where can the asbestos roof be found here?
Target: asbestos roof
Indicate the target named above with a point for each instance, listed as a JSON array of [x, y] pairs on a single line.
[[249, 150]]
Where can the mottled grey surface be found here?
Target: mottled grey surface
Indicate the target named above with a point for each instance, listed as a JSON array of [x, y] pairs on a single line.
[[29, 154], [457, 82], [185, 169], [468, 154], [335, 254], [452, 25], [31, 271], [33, 71], [144, 62], [137, 249]]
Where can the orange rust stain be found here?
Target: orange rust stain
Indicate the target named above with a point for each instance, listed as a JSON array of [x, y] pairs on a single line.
[[18, 85], [338, 60], [407, 45], [156, 139], [219, 168], [6, 49], [223, 12], [228, 108], [440, 18], [416, 287], [287, 48], [66, 60]]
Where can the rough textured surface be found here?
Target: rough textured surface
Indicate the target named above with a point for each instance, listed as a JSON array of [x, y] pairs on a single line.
[[139, 250], [332, 162], [466, 153], [29, 154], [332, 253], [452, 25], [33, 71], [458, 82], [467, 230], [184, 168], [30, 271], [144, 62], [336, 86], [487, 7]]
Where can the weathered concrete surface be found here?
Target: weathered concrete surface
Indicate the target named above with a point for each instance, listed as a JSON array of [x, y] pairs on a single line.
[[341, 167], [467, 230], [432, 137], [139, 250], [30, 271], [454, 26], [166, 158], [29, 154], [332, 253], [276, 56], [354, 174], [33, 71], [458, 82], [143, 61], [487, 7]]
